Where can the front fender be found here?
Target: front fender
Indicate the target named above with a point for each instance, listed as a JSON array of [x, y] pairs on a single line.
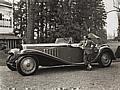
[[44, 59], [12, 54], [31, 52], [14, 51]]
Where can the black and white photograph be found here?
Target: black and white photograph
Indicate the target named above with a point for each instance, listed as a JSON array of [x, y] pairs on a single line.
[[59, 44]]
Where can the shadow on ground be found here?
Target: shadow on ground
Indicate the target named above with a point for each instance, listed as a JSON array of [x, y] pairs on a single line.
[[63, 69]]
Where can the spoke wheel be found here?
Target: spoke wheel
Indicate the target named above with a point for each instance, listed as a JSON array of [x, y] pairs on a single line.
[[105, 60], [27, 65], [11, 66]]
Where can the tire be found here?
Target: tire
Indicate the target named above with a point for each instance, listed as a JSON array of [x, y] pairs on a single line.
[[105, 59], [11, 66], [27, 65]]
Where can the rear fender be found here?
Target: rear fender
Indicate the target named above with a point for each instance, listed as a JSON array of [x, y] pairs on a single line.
[[105, 49]]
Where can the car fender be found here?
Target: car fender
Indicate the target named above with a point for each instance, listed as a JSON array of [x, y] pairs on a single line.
[[12, 55], [14, 51], [32, 52], [43, 58], [105, 49]]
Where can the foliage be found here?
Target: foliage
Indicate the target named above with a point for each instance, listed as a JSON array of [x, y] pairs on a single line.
[[20, 18], [118, 31], [64, 18]]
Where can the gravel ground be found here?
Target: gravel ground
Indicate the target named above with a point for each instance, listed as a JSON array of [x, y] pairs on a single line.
[[63, 78]]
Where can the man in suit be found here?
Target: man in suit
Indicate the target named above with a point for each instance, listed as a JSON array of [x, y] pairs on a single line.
[[88, 45]]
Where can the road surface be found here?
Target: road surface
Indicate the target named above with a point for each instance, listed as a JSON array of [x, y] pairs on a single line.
[[63, 78]]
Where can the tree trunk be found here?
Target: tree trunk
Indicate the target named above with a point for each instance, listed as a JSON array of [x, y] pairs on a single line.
[[30, 22]]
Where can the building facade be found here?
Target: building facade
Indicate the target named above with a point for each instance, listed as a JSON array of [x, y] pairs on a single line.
[[6, 25]]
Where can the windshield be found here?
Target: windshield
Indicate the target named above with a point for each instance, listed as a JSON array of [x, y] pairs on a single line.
[[64, 40]]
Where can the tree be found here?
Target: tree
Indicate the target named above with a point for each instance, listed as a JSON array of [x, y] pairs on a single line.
[[20, 19], [118, 31], [30, 21], [78, 18], [68, 18]]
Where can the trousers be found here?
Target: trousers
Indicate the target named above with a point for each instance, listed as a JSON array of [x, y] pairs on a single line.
[[87, 58]]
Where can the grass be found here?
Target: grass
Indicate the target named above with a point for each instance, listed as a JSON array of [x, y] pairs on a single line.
[[3, 58]]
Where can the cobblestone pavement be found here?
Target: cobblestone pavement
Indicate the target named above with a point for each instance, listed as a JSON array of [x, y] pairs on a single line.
[[63, 78]]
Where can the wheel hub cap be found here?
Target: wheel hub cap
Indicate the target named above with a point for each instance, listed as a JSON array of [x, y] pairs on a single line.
[[105, 59], [28, 65]]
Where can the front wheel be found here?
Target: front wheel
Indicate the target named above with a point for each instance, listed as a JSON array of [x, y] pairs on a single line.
[[27, 65], [105, 59]]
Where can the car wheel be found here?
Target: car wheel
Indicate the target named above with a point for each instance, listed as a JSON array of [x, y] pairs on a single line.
[[105, 59], [11, 66], [27, 65]]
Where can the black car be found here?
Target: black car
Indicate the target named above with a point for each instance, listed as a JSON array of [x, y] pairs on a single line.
[[27, 60]]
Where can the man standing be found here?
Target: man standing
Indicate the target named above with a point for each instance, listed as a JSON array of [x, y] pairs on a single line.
[[88, 45]]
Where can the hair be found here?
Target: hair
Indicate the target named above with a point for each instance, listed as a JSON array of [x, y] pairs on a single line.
[[86, 37]]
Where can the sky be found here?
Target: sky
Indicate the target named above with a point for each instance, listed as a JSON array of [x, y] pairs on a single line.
[[112, 18]]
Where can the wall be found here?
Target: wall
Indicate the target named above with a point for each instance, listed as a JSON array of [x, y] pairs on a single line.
[[6, 22]]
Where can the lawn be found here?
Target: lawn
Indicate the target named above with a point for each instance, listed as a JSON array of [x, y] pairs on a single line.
[[3, 58]]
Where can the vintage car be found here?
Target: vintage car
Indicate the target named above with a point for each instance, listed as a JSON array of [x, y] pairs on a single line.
[[29, 57]]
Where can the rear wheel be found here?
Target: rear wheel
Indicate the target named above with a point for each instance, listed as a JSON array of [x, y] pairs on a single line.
[[105, 59], [27, 65], [10, 64]]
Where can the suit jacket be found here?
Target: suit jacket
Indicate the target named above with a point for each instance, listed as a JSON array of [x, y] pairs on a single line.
[[88, 46]]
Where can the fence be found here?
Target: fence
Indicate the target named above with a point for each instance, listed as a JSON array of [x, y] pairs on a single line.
[[11, 43]]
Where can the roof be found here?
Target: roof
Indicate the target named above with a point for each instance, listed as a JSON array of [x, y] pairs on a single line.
[[8, 36], [5, 3]]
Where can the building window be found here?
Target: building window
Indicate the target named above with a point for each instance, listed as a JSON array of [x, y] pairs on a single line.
[[6, 23]]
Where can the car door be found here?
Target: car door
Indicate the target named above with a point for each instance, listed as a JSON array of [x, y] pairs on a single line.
[[70, 54]]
